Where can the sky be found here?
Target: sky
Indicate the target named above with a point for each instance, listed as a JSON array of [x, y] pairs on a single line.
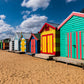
[[30, 15]]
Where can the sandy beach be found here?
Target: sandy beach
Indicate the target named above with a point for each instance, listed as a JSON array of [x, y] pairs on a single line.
[[24, 69]]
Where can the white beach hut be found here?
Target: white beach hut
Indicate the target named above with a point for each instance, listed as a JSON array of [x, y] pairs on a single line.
[[11, 44], [17, 41]]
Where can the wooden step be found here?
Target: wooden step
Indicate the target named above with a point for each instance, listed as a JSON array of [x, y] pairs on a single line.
[[44, 56], [31, 54], [19, 52], [70, 60]]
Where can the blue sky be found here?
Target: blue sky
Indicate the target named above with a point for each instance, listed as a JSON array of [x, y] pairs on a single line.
[[30, 15]]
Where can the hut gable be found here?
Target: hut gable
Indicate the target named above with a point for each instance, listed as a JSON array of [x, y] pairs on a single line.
[[26, 35], [17, 35], [35, 36], [74, 18], [48, 27]]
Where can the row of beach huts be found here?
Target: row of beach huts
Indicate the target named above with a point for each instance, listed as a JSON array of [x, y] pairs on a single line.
[[64, 41]]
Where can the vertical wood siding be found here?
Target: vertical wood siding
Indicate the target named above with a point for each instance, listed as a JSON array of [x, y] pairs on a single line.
[[75, 28]]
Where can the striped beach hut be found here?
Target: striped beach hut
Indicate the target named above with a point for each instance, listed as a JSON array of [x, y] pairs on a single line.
[[72, 36], [24, 42], [50, 39], [34, 43]]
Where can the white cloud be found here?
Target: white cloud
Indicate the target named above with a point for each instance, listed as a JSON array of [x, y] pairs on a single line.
[[3, 35], [35, 4], [25, 17], [5, 29], [2, 17], [32, 24], [25, 14], [70, 1]]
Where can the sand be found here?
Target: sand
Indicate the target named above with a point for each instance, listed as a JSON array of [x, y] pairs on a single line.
[[24, 69]]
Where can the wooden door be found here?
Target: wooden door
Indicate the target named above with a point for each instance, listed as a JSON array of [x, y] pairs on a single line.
[[16, 45], [4, 46], [47, 44], [44, 44], [10, 46], [23, 45], [50, 44], [33, 46]]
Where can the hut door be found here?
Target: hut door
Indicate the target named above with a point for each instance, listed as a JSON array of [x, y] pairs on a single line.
[[10, 45], [3, 45], [50, 43], [23, 45], [44, 44], [33, 46], [47, 44], [16, 45]]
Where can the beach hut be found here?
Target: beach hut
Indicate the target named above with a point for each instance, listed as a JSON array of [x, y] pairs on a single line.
[[50, 39], [17, 41], [34, 43], [24, 42], [11, 44], [1, 44], [72, 36], [6, 43]]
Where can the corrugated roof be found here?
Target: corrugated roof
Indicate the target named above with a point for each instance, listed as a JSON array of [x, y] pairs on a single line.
[[53, 24], [7, 39], [18, 34]]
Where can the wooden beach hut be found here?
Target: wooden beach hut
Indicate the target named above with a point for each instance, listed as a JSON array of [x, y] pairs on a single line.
[[17, 41], [11, 44], [72, 36], [34, 43], [1, 44], [24, 42], [50, 39], [6, 43]]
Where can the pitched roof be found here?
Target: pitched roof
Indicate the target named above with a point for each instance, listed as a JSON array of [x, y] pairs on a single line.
[[7, 39], [26, 35], [82, 11], [18, 34], [70, 16], [52, 25], [36, 36]]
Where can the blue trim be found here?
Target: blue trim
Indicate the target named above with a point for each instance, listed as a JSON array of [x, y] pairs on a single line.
[[30, 46], [36, 46]]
